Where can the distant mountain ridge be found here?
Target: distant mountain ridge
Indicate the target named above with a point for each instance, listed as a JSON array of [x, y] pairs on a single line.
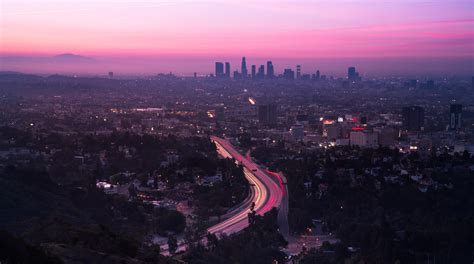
[[61, 58], [69, 57], [13, 75]]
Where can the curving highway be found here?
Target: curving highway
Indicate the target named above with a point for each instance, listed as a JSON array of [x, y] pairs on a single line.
[[266, 190]]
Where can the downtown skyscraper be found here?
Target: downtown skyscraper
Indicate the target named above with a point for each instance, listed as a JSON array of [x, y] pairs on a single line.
[[219, 69], [261, 72], [244, 68], [270, 70], [352, 74], [227, 70]]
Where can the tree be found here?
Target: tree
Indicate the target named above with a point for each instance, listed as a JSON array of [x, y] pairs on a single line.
[[170, 220], [251, 217], [259, 243], [152, 253], [212, 241], [172, 244]]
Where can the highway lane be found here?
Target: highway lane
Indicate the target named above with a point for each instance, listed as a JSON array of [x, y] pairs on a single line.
[[268, 193]]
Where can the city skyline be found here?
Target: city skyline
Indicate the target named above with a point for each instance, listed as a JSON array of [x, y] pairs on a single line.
[[373, 67], [245, 131], [400, 37]]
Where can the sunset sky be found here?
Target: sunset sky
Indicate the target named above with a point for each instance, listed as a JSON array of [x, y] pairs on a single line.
[[291, 29]]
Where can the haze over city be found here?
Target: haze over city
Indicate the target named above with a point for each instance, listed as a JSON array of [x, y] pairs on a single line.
[[224, 132], [406, 37]]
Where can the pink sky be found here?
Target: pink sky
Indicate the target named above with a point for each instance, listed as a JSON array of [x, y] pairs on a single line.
[[225, 29]]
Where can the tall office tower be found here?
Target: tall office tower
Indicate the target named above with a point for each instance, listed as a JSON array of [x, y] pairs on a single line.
[[289, 74], [455, 117], [195, 75], [219, 69], [352, 74], [227, 70], [111, 74], [254, 71], [244, 68], [298, 71], [318, 75], [413, 118], [237, 75], [271, 73], [261, 72], [267, 114]]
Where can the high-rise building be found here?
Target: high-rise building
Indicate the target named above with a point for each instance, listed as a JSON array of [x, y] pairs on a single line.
[[219, 69], [298, 71], [455, 117], [227, 70], [289, 74], [261, 72], [244, 68], [352, 74], [237, 75], [111, 74], [316, 76], [472, 83], [254, 71], [413, 118], [267, 114], [271, 73]]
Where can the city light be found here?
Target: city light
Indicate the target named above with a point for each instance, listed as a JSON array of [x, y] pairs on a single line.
[[252, 101]]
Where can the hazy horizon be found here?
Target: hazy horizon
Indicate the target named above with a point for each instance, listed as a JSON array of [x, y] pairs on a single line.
[[405, 37], [187, 65]]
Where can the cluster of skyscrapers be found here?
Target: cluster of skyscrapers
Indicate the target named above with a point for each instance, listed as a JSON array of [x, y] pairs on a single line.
[[222, 72]]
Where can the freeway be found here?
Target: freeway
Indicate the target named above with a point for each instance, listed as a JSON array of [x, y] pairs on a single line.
[[266, 190]]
